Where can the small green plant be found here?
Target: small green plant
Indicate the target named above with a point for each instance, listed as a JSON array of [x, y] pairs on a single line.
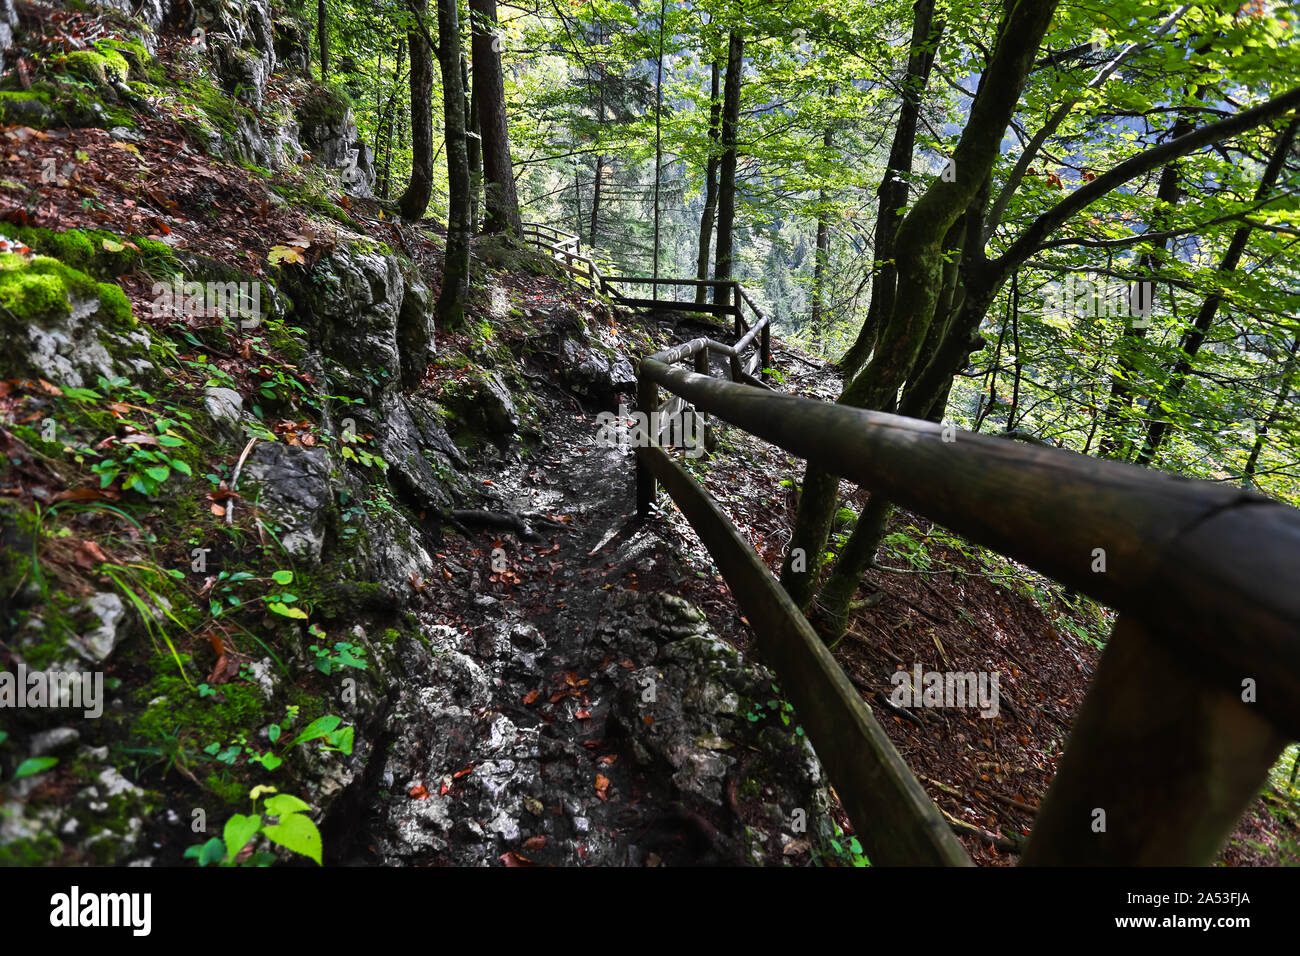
[[138, 583], [31, 766], [835, 848], [291, 829], [223, 600], [773, 707], [353, 451], [343, 654], [337, 739]]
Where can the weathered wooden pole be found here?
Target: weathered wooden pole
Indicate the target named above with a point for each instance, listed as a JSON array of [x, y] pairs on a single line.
[[1158, 766]]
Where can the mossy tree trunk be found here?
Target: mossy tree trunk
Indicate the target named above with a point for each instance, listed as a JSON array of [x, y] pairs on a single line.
[[926, 34], [455, 271], [919, 246], [501, 204], [722, 269]]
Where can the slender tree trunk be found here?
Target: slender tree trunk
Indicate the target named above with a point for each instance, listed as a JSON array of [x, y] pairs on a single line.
[[659, 144], [415, 201], [390, 122], [820, 258], [722, 270], [822, 254], [926, 34], [323, 38], [1158, 430], [710, 186], [1261, 431], [500, 200], [474, 147], [455, 271], [1114, 442], [595, 198]]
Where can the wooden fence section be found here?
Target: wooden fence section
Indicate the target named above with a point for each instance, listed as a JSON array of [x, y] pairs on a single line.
[[566, 249], [895, 820], [1197, 691]]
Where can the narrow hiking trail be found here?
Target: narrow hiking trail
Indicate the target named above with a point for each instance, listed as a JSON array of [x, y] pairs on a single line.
[[595, 717]]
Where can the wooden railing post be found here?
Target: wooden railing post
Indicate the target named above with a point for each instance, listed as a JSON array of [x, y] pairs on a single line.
[[647, 400], [1158, 768], [765, 350]]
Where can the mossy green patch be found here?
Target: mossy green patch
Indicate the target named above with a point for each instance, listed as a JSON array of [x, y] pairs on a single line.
[[101, 254], [43, 288], [27, 108], [133, 52], [323, 106], [102, 64]]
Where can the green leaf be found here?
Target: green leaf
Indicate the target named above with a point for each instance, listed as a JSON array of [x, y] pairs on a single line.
[[4, 735], [214, 851], [320, 727], [159, 473], [238, 831], [182, 467], [170, 441], [287, 611], [282, 577], [284, 803], [273, 732], [341, 739], [297, 833], [34, 765]]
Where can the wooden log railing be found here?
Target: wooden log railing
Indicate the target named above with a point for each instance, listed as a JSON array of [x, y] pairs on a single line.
[[565, 248], [1198, 689]]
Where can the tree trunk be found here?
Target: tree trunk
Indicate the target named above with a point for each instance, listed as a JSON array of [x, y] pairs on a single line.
[[323, 38], [727, 180], [1114, 444], [926, 34], [455, 271], [918, 251], [710, 187], [501, 203], [595, 199], [822, 255], [1158, 430], [473, 146], [415, 201], [819, 265], [1261, 431]]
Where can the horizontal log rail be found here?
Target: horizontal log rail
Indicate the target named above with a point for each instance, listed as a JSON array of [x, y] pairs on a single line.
[[1199, 687], [565, 248], [873, 782]]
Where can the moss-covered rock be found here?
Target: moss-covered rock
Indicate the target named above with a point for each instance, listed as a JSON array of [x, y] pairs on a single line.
[[64, 326], [27, 108], [103, 64]]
